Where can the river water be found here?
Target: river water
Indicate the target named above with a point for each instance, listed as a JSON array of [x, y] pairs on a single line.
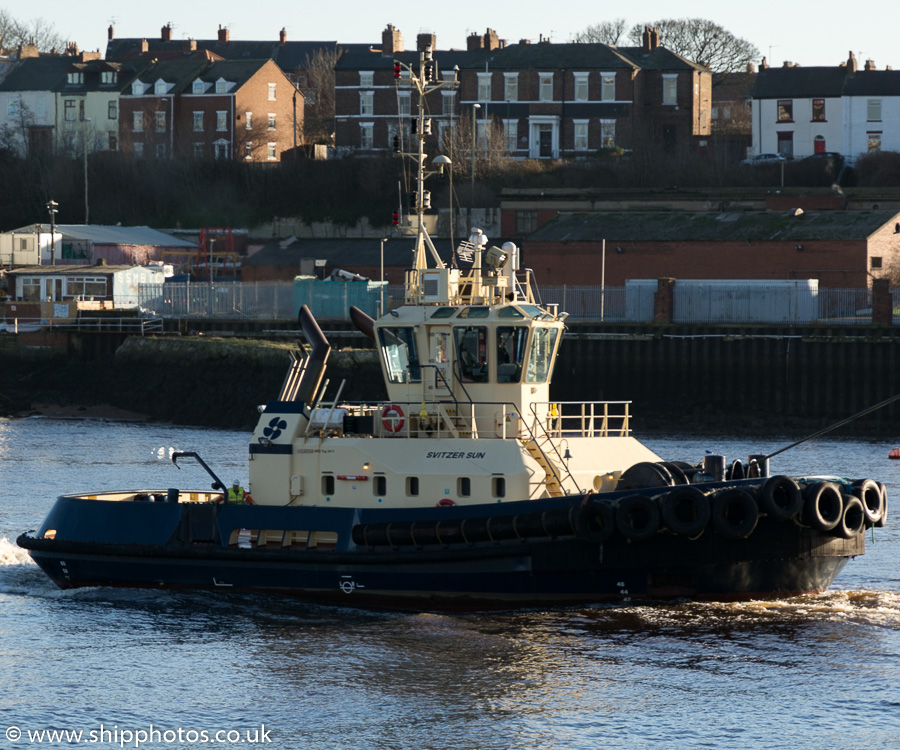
[[160, 669]]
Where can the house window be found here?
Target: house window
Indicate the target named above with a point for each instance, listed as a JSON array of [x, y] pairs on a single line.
[[511, 134], [526, 222], [138, 150], [248, 120], [221, 86], [786, 144], [818, 110], [221, 120], [248, 150], [221, 149], [271, 92], [108, 77], [12, 107], [581, 87], [70, 110], [785, 110], [607, 133], [160, 88], [670, 89], [366, 103], [197, 87], [112, 111], [484, 87], [449, 102], [198, 122], [403, 104], [511, 87], [876, 262], [76, 78], [545, 91], [137, 122], [271, 154], [366, 136], [366, 78], [113, 142], [199, 150], [581, 135], [874, 142], [873, 110], [31, 289], [607, 87], [271, 121], [137, 88], [160, 150], [160, 118]]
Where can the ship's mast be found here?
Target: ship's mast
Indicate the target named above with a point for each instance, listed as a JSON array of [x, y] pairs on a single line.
[[425, 82]]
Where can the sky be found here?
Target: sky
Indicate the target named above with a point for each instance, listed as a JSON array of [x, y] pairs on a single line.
[[811, 34]]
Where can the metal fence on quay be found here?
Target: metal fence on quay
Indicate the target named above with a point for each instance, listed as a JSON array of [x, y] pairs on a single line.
[[716, 303]]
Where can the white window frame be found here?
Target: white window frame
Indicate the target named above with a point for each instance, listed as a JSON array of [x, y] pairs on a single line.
[[511, 87], [545, 87], [271, 121], [449, 102], [108, 77], [197, 121], [670, 89], [137, 122], [873, 110], [112, 110], [403, 104], [271, 151], [873, 142], [608, 86], [222, 86], [367, 103], [607, 133], [12, 106], [511, 134], [366, 136], [159, 120], [221, 121], [580, 134], [248, 120], [272, 91], [160, 88], [248, 149], [137, 88], [581, 91], [484, 87], [366, 78]]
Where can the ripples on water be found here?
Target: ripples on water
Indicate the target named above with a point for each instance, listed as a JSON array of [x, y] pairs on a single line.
[[804, 673]]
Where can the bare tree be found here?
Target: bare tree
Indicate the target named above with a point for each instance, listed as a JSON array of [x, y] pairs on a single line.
[[316, 82], [701, 41], [37, 31], [606, 32]]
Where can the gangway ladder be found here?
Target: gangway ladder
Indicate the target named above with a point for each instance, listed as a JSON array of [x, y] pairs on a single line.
[[553, 484], [295, 374]]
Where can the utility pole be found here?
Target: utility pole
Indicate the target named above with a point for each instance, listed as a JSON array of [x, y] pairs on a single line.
[[52, 207]]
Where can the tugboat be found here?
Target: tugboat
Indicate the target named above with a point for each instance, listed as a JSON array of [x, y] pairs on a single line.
[[469, 487]]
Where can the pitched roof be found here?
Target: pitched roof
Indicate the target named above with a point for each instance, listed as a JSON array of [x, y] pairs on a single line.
[[111, 235], [660, 58], [554, 56], [750, 226], [38, 74], [341, 253], [795, 82], [873, 83]]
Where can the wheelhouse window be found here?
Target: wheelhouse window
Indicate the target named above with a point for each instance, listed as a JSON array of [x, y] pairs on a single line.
[[471, 353], [540, 358], [401, 360], [511, 348]]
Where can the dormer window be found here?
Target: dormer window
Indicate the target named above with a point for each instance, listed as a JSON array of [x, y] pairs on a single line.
[[137, 88], [76, 77], [197, 88], [221, 86], [160, 88], [108, 77]]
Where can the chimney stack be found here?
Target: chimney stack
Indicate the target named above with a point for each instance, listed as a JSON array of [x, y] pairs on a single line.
[[424, 42], [391, 40], [870, 65], [282, 36], [223, 35], [491, 40], [474, 42], [851, 63], [190, 45], [109, 33], [166, 33]]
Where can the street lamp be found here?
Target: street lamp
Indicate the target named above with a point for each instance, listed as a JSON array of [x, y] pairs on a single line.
[[381, 288], [52, 207]]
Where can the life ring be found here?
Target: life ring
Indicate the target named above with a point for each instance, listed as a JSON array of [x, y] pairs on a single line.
[[685, 511], [392, 418], [872, 499], [445, 502], [594, 521], [780, 497], [637, 518], [823, 505], [734, 513], [853, 518]]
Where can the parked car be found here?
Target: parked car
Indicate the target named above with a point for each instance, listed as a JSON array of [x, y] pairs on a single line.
[[759, 159]]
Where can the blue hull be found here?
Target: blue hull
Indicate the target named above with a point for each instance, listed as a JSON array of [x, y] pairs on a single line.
[[475, 557]]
